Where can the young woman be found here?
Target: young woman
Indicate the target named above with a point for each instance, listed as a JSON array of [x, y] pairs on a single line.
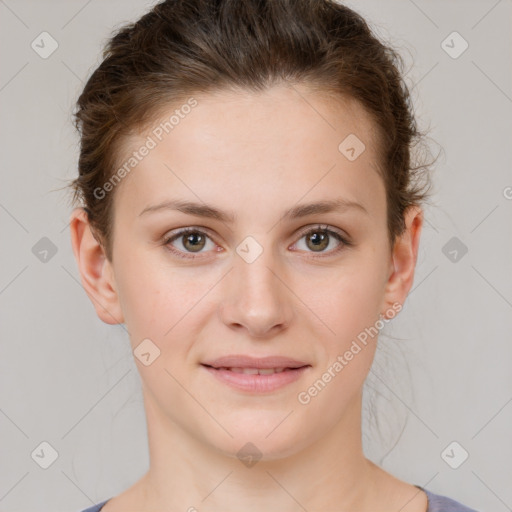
[[250, 211]]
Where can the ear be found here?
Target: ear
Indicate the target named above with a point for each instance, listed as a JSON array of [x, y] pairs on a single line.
[[403, 264], [95, 269]]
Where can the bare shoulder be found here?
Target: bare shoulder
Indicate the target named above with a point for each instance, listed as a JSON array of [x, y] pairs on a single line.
[[121, 503], [413, 499], [130, 500], [115, 505], [397, 494]]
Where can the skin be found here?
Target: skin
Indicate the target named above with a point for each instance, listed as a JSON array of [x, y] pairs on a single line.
[[255, 155]]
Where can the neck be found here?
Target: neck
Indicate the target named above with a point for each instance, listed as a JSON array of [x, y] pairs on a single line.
[[186, 474]]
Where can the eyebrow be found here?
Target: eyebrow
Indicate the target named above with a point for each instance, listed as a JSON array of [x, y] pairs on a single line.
[[208, 211]]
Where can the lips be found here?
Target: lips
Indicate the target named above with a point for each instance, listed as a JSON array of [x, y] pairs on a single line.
[[256, 375]]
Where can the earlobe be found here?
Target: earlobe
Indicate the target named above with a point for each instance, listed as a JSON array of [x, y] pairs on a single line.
[[95, 270], [404, 257]]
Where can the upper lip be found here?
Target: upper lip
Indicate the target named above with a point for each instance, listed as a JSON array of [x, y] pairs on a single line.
[[242, 361]]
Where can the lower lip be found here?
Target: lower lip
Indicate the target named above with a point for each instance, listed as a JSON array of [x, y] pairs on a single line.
[[256, 383]]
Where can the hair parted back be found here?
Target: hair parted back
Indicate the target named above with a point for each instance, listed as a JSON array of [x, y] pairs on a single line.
[[182, 47]]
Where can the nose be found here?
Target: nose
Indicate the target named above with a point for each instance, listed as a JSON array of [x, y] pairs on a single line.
[[255, 298]]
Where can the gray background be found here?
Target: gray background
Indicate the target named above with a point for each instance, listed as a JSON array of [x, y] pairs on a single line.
[[443, 370]]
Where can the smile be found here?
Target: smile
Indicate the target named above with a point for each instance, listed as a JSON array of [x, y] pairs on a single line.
[[256, 380]]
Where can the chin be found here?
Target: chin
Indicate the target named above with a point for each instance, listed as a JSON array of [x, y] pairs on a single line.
[[258, 437]]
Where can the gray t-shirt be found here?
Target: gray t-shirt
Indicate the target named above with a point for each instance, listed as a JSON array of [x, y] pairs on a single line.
[[436, 503]]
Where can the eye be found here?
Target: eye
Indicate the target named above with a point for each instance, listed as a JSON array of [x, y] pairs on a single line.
[[189, 241], [319, 238], [186, 243]]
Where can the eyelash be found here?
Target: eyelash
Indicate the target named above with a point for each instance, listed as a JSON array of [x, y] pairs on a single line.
[[321, 228]]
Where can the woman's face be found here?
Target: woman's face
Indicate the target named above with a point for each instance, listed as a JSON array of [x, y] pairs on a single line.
[[258, 276]]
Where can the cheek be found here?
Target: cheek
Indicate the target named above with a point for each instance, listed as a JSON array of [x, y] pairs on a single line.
[[350, 300], [145, 295], [351, 310], [157, 299]]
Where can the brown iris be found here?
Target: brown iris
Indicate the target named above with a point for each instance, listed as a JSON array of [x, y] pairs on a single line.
[[194, 242], [319, 240]]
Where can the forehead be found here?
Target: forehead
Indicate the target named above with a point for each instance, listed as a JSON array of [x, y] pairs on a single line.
[[234, 145]]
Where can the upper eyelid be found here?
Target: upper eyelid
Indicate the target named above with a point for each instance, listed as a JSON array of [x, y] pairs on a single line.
[[175, 234]]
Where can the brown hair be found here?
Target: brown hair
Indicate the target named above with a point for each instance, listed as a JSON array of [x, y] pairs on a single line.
[[182, 47]]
